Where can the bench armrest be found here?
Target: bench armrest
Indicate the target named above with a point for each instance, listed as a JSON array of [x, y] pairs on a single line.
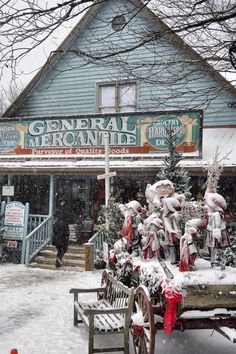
[[105, 311], [80, 291]]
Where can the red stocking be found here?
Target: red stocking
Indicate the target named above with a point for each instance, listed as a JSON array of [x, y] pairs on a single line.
[[170, 313]]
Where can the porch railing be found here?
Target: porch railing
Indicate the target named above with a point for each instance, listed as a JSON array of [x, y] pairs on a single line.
[[37, 238], [96, 241], [34, 221]]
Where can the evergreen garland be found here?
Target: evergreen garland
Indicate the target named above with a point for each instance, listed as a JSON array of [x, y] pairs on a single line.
[[171, 171]]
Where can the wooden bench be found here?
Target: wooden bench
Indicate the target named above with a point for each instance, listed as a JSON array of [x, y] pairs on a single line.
[[110, 315]]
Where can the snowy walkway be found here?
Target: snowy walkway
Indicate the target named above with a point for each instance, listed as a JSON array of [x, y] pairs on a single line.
[[36, 317]]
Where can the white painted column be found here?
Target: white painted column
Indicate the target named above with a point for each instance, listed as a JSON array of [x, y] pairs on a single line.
[[107, 179], [50, 207], [51, 196], [9, 183]]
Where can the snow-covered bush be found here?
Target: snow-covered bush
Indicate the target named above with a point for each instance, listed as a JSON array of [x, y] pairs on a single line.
[[124, 270], [151, 277], [230, 255]]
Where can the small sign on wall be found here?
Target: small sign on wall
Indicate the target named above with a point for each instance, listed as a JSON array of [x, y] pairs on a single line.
[[7, 191], [14, 221]]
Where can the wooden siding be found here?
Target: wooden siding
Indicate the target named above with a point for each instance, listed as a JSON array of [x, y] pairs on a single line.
[[70, 86]]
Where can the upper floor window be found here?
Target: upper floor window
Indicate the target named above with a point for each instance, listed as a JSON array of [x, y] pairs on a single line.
[[117, 97]]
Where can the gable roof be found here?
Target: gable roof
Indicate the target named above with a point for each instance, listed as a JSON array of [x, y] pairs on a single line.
[[149, 15]]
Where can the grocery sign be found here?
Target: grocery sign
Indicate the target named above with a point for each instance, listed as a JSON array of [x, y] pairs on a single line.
[[130, 134]]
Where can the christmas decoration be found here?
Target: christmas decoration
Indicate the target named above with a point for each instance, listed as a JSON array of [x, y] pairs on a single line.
[[124, 271], [154, 239], [99, 262], [133, 213], [230, 255], [110, 221], [188, 249], [151, 277], [173, 295], [217, 235], [171, 170]]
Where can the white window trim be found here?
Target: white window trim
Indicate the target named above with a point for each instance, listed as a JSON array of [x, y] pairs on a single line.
[[117, 84]]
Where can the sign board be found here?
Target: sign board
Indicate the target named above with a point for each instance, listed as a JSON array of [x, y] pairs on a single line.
[[8, 191], [109, 174], [87, 224], [14, 220], [12, 244], [129, 134]]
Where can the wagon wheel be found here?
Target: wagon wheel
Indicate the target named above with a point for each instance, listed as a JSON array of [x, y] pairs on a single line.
[[143, 336]]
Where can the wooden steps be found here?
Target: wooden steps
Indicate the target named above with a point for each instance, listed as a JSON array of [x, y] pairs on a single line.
[[73, 259]]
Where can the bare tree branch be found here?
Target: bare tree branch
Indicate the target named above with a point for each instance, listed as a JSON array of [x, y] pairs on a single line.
[[208, 26]]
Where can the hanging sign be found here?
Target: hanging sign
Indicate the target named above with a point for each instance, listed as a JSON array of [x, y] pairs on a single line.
[[8, 191], [109, 174], [87, 224]]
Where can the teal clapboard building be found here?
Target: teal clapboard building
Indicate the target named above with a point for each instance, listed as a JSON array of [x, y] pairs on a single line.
[[74, 96]]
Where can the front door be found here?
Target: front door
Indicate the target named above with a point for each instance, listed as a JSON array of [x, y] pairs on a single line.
[[75, 195]]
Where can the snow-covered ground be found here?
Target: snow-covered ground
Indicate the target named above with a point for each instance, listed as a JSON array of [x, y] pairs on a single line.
[[36, 317]]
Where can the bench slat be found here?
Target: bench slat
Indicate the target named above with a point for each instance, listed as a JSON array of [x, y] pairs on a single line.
[[111, 314], [109, 322]]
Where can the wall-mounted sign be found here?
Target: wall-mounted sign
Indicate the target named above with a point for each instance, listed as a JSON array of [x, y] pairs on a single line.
[[87, 224], [8, 191], [14, 220], [130, 134]]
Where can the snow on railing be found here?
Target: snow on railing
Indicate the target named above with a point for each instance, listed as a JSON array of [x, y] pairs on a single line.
[[97, 241]]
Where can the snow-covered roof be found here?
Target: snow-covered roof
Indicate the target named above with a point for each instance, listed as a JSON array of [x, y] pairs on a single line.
[[224, 138]]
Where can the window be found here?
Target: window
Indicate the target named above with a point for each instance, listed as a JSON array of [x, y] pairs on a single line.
[[117, 97]]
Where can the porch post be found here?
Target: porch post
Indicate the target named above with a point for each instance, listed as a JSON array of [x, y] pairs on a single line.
[[50, 207], [107, 179], [51, 196], [9, 183]]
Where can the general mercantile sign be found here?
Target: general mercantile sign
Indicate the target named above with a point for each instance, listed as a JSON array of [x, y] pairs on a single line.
[[132, 134]]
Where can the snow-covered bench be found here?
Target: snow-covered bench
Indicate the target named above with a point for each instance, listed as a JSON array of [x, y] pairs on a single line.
[[110, 315]]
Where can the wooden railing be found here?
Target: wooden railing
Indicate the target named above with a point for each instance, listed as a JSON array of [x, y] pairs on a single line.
[[94, 243], [37, 238]]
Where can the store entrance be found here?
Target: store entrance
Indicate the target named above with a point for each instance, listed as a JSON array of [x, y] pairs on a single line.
[[74, 195]]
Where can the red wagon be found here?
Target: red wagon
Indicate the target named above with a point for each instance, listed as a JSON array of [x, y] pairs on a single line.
[[202, 305]]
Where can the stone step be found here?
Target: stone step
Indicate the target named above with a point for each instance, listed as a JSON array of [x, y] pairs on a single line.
[[52, 260], [71, 249], [53, 267], [73, 259], [52, 254]]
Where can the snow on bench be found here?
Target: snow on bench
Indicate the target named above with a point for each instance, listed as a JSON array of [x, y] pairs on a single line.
[[110, 315], [229, 333]]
